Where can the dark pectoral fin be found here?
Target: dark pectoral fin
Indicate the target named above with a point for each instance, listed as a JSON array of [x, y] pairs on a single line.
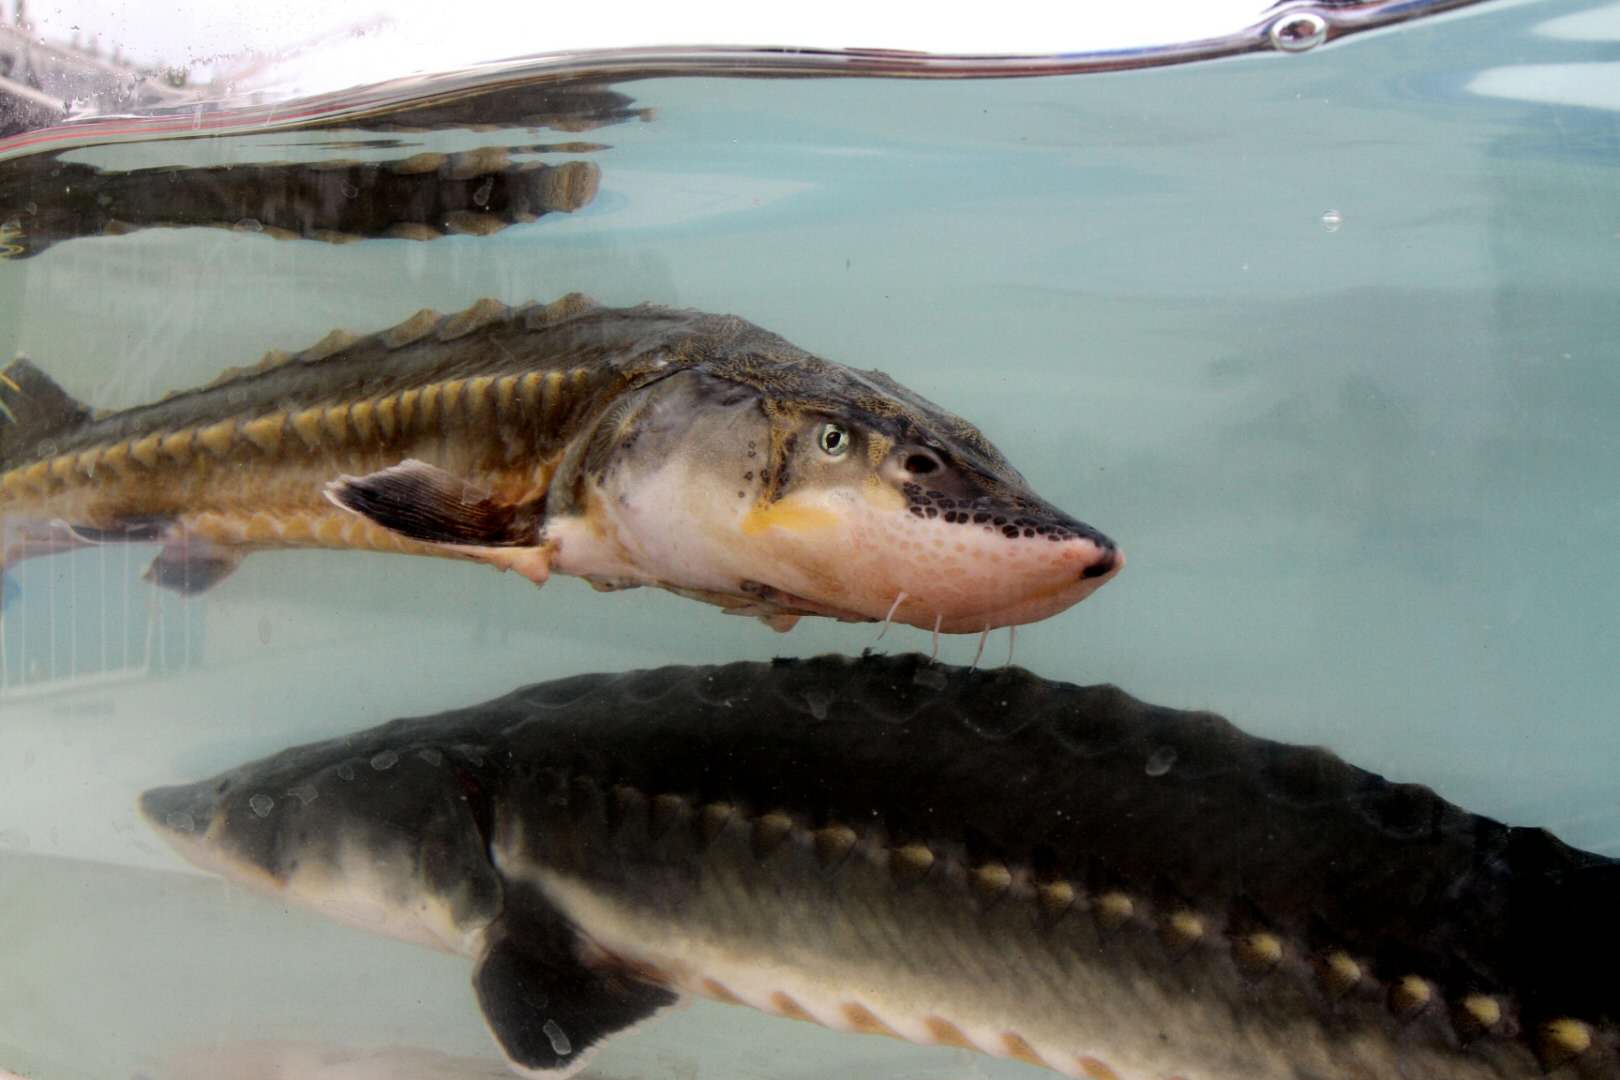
[[425, 503], [548, 1009]]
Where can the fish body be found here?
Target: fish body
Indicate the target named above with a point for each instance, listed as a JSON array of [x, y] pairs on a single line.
[[1059, 874], [639, 446], [421, 197]]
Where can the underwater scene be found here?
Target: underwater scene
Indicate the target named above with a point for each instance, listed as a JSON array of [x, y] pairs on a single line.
[[642, 574]]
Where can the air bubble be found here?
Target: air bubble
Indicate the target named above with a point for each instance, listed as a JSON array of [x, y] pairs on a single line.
[[1161, 761], [1331, 220], [261, 805], [387, 759]]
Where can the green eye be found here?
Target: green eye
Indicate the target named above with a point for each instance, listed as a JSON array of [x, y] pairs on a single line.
[[833, 440]]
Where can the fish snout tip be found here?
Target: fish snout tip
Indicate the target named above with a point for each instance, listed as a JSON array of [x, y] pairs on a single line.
[[179, 812], [1108, 561]]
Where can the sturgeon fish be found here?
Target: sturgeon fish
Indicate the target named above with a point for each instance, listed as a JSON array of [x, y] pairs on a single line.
[[1059, 874], [640, 446], [44, 200]]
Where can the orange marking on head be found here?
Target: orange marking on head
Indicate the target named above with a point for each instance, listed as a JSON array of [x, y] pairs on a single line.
[[785, 515]]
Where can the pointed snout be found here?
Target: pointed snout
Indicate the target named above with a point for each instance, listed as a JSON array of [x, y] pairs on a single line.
[[1099, 557], [181, 812], [1105, 561]]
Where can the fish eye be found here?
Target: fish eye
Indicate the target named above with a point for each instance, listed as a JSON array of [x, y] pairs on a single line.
[[833, 440]]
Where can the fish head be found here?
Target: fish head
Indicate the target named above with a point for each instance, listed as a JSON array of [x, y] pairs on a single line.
[[384, 841], [914, 515], [816, 489]]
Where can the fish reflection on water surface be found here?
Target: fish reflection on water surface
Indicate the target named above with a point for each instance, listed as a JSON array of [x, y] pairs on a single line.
[[1059, 874], [45, 201], [639, 446]]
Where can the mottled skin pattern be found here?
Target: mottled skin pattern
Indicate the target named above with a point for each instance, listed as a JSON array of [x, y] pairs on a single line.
[[640, 446], [1060, 874]]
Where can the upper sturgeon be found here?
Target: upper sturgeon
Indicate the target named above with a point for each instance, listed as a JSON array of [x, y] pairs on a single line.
[[639, 446], [421, 197], [1059, 874]]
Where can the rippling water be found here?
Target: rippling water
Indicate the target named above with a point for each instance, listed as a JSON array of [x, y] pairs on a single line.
[[1327, 342]]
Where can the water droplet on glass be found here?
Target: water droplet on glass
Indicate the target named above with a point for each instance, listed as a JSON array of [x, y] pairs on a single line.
[[1161, 761], [304, 793], [345, 771], [387, 759], [1331, 220], [179, 821], [559, 1038], [264, 629], [819, 701], [349, 190], [262, 805], [248, 224], [481, 196], [932, 677], [431, 756]]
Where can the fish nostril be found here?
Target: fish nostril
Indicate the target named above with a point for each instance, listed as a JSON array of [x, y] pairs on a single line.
[[921, 464]]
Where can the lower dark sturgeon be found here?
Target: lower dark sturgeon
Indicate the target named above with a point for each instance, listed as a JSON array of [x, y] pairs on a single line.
[[1059, 874]]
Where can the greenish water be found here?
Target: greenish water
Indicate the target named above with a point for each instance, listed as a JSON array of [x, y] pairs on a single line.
[[1326, 342]]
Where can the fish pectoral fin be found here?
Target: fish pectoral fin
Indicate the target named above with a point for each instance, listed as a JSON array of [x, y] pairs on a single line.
[[191, 567], [546, 1007], [425, 503]]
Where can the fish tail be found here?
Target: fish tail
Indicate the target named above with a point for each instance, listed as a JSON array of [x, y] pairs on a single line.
[[33, 410]]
